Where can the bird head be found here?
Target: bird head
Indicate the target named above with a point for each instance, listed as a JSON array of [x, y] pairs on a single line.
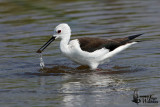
[[62, 31]]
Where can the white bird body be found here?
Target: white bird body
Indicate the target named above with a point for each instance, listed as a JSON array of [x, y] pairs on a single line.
[[74, 51]]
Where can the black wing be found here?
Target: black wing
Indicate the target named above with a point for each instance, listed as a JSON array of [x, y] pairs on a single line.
[[92, 44]]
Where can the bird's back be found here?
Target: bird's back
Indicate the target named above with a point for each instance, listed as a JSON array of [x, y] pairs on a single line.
[[91, 44]]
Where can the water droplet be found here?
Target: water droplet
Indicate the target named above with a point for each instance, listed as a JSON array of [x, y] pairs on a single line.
[[41, 61]]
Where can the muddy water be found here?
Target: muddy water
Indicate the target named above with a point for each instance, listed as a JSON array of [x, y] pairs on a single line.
[[26, 24]]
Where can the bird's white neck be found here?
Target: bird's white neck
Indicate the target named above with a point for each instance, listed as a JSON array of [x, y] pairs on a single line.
[[64, 45]]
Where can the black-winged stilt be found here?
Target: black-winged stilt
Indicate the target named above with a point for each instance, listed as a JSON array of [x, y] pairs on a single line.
[[88, 51]]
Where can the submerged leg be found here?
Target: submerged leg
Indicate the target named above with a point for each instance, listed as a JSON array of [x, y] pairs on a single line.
[[93, 66]]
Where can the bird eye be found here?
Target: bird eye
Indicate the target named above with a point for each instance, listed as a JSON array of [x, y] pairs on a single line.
[[59, 31]]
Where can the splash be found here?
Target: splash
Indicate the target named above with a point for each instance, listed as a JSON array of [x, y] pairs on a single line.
[[41, 61]]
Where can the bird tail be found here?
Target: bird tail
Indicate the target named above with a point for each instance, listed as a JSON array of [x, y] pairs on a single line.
[[134, 36]]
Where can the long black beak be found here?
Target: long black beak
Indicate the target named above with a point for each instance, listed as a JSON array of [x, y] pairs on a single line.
[[46, 44]]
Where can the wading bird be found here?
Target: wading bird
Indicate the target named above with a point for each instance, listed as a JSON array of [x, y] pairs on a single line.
[[88, 51]]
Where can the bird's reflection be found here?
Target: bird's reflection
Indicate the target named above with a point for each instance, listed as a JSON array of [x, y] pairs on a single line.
[[77, 83]]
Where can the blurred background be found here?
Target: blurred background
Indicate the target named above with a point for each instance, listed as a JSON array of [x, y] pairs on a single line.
[[25, 25]]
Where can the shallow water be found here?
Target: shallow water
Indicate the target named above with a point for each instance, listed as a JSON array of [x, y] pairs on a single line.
[[26, 24]]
